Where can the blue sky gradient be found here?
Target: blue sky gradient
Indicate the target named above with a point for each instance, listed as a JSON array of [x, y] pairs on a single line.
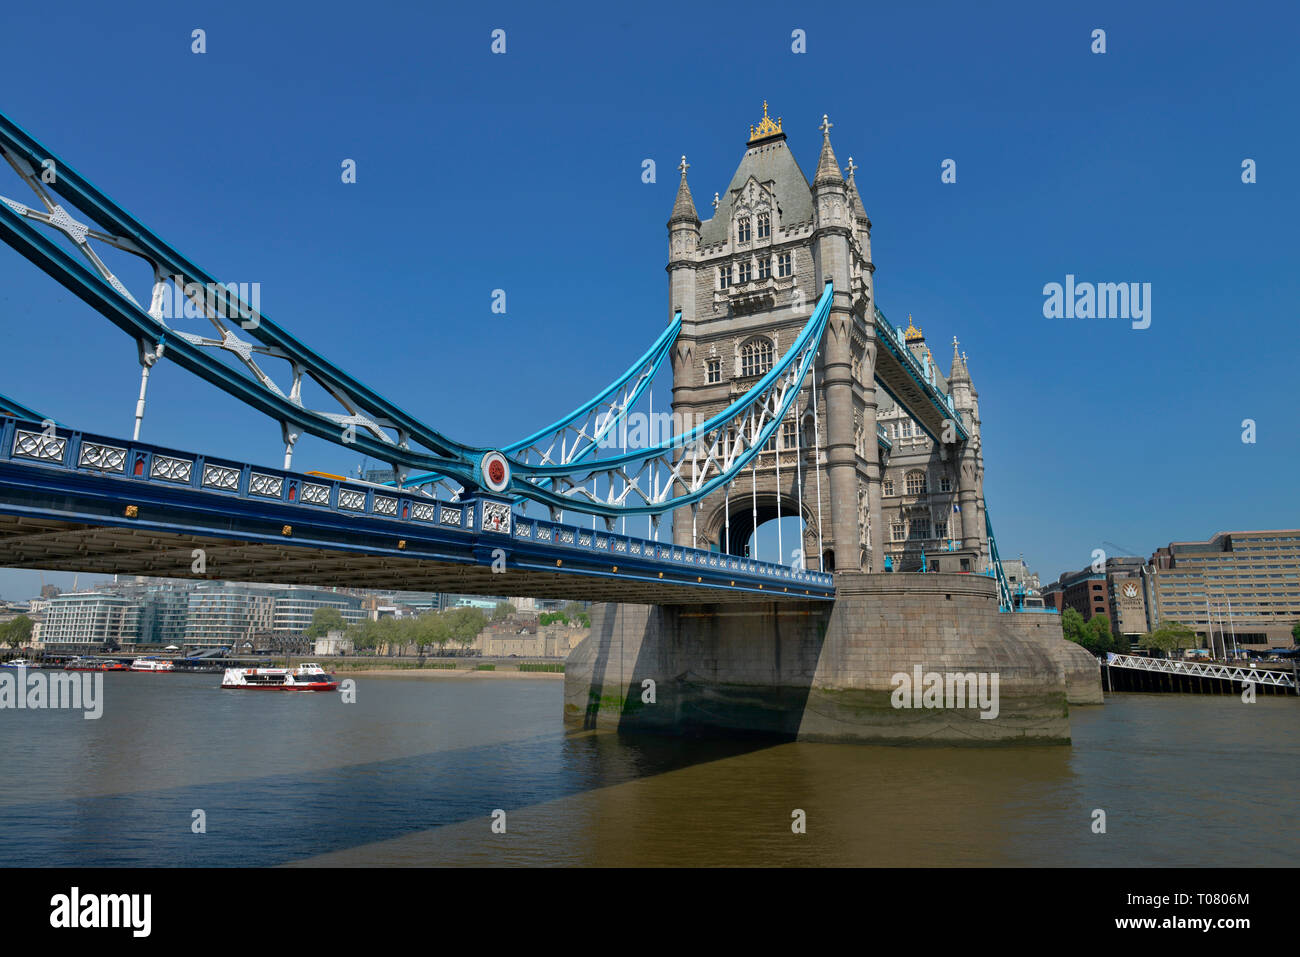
[[523, 172]]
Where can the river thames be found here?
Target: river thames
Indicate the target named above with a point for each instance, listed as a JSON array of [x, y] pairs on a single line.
[[412, 772]]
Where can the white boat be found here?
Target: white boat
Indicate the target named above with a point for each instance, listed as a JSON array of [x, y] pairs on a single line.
[[306, 677], [152, 664], [18, 663]]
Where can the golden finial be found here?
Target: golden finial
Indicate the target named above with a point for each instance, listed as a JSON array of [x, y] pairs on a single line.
[[766, 128], [911, 333]]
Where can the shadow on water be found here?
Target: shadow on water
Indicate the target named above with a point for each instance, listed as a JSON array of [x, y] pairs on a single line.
[[282, 818]]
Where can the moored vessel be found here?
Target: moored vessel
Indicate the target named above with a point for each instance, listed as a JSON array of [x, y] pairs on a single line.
[[306, 677], [152, 664]]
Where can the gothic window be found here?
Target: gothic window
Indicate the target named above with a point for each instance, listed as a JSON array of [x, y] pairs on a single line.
[[896, 532], [724, 276], [746, 271], [905, 431], [941, 528], [945, 483], [765, 268], [889, 486], [713, 370], [916, 483], [764, 225], [784, 264], [756, 356], [788, 437], [742, 230], [920, 528]]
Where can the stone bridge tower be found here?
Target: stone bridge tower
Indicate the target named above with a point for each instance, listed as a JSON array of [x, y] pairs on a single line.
[[746, 281]]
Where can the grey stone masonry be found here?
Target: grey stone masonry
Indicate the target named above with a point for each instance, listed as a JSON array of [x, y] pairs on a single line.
[[746, 281], [818, 672]]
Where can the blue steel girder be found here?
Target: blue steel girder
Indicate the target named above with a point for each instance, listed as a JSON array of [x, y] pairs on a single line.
[[903, 378], [365, 411], [687, 467], [60, 489], [579, 434], [653, 480], [15, 408]]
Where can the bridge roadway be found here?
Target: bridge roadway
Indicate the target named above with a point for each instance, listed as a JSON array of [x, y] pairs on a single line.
[[901, 375], [71, 501]]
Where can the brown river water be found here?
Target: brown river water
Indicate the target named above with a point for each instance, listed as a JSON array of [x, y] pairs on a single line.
[[412, 773]]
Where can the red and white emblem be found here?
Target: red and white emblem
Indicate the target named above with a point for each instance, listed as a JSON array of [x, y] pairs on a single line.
[[495, 469]]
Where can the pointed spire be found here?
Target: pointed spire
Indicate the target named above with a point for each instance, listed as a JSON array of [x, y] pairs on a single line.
[[684, 208], [959, 371], [828, 168], [855, 198]]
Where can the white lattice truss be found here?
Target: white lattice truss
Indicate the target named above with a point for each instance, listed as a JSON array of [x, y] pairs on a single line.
[[1260, 676], [689, 465], [221, 306]]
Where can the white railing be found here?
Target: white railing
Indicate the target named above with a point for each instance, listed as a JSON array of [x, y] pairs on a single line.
[[1262, 676]]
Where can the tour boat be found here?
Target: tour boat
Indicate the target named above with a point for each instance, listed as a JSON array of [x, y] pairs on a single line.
[[306, 677], [94, 664], [152, 664], [18, 663]]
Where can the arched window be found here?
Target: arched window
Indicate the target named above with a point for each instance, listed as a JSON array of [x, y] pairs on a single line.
[[764, 225], [756, 356], [742, 230], [916, 483]]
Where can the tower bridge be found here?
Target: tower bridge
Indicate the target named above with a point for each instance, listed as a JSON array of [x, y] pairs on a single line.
[[804, 401]]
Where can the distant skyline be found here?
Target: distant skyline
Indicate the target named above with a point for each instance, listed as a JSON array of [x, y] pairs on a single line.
[[524, 172]]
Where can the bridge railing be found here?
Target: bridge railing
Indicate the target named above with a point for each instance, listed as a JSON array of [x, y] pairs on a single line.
[[1201, 669], [132, 462], [615, 545], [897, 343]]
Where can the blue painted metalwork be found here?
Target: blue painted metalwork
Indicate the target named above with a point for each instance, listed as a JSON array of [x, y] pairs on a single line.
[[700, 446], [68, 467], [640, 374], [674, 473], [894, 341], [15, 408], [1005, 600]]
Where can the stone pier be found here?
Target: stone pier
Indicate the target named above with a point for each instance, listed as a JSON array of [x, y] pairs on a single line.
[[822, 672]]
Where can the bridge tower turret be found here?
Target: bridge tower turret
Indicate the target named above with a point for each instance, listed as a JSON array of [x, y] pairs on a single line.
[[832, 240], [970, 457], [683, 257]]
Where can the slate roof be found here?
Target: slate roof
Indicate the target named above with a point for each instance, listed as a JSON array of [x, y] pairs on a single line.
[[768, 162]]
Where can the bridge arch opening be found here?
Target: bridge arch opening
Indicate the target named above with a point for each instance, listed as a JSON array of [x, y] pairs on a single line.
[[767, 534]]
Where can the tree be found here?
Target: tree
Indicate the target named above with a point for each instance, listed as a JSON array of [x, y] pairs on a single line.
[[17, 632], [324, 620], [1170, 636], [1102, 639], [1295, 633], [1074, 627], [464, 624], [502, 611]]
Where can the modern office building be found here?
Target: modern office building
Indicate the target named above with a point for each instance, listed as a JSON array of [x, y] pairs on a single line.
[[87, 621], [222, 614], [295, 608], [1237, 588]]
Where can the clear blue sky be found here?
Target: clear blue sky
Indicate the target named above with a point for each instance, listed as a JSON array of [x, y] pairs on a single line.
[[523, 172]]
